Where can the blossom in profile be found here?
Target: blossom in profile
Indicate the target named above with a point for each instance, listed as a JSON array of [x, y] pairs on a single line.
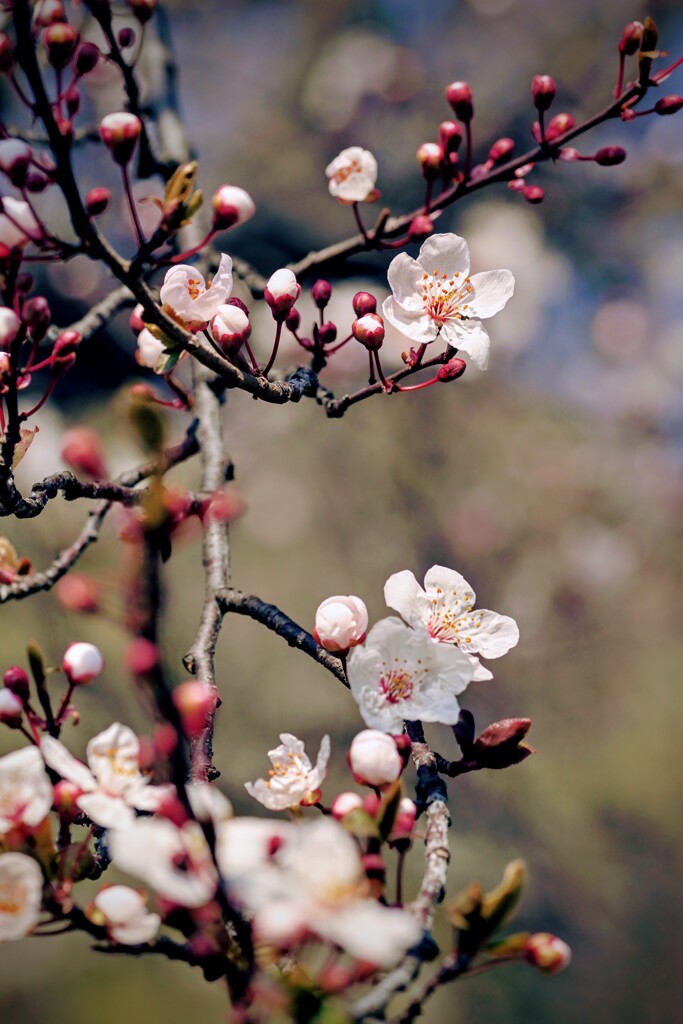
[[149, 349], [352, 175], [445, 607], [25, 789], [123, 912], [293, 778], [21, 894], [435, 297], [18, 226], [341, 622], [189, 299], [111, 784], [400, 674]]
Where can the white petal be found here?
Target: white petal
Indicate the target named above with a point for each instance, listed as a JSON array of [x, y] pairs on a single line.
[[492, 635], [447, 253], [417, 326], [369, 931], [405, 277], [65, 764], [469, 337], [107, 811], [25, 789], [402, 592], [449, 580], [492, 289], [21, 885], [317, 776], [138, 931]]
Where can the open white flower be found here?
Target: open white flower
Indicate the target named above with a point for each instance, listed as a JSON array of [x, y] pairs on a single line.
[[445, 609], [434, 297], [175, 862], [399, 674], [21, 894], [293, 779], [352, 175], [25, 789], [125, 915], [190, 299], [112, 783]]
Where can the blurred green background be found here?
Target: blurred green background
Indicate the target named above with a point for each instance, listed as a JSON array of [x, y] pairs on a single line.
[[552, 482]]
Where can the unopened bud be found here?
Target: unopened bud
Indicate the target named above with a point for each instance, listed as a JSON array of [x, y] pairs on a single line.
[[231, 205], [450, 136], [341, 622], [35, 312], [630, 38], [126, 37], [78, 593], [364, 302], [82, 663], [344, 803], [120, 133], [66, 344], [669, 105], [97, 201], [10, 325], [293, 320], [16, 680], [196, 702], [500, 744], [451, 370], [281, 293], [374, 866], [64, 796], [543, 91], [36, 182], [15, 158], [404, 823], [374, 759], [321, 293], [60, 41], [11, 709], [7, 60], [430, 157], [72, 100], [82, 450], [87, 58], [142, 657], [545, 951], [142, 9], [230, 328], [533, 193], [609, 156], [501, 150], [558, 125], [421, 227], [369, 330], [459, 95]]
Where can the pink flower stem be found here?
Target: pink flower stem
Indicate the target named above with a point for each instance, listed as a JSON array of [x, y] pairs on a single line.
[[541, 125], [335, 348], [252, 358], [662, 75], [34, 367], [19, 91], [387, 385], [59, 719], [428, 195], [620, 77], [185, 400], [2, 417], [131, 205], [398, 243], [50, 388], [469, 153], [372, 379], [359, 222], [27, 734], [276, 345], [189, 252], [417, 387]]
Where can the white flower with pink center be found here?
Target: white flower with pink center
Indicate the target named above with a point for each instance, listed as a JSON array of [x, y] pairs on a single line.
[[400, 674], [123, 912], [189, 299], [352, 175], [25, 789], [112, 783], [435, 297], [445, 607], [293, 778], [21, 895]]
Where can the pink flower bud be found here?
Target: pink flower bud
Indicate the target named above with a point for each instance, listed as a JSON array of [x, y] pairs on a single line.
[[404, 822], [569, 154], [374, 759], [126, 37], [369, 330], [97, 201], [326, 333], [35, 312], [533, 193], [341, 623], [10, 325], [78, 593], [450, 136], [142, 657], [669, 105], [547, 952], [72, 100], [344, 803], [87, 58], [64, 796], [15, 157], [559, 124], [11, 709], [321, 293], [543, 91], [609, 156], [421, 227], [195, 702], [82, 663], [430, 156], [120, 133], [231, 205], [451, 370], [142, 9], [293, 320], [281, 293], [630, 38], [66, 343], [374, 866], [136, 322], [230, 328], [60, 41], [83, 452], [16, 680], [364, 302], [459, 95], [501, 150], [49, 12], [7, 59]]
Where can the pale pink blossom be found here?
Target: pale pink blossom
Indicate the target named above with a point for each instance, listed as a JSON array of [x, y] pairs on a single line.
[[293, 778], [352, 175], [190, 299], [434, 297], [374, 758], [341, 622], [82, 663], [111, 785], [445, 607], [25, 789], [21, 895], [123, 912]]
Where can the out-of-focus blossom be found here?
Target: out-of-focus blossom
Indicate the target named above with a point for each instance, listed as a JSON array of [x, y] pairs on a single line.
[[374, 758], [112, 783], [188, 297], [123, 912], [18, 226], [82, 663], [399, 673], [10, 325], [547, 952], [344, 803], [231, 205], [434, 297], [352, 175], [149, 349], [21, 894], [293, 779], [341, 622], [25, 789], [444, 608]]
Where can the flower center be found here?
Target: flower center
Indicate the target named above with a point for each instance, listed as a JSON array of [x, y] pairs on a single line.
[[345, 172], [446, 620], [444, 298], [195, 287], [294, 768], [398, 679]]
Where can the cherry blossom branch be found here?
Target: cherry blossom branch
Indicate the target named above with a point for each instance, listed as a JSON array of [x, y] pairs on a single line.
[[274, 619]]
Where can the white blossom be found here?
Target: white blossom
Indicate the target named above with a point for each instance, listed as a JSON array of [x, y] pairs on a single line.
[[189, 298], [21, 894], [434, 297], [112, 783], [352, 175], [125, 915], [25, 789], [399, 674], [293, 779], [445, 609]]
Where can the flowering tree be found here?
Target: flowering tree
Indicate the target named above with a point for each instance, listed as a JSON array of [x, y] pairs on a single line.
[[304, 917]]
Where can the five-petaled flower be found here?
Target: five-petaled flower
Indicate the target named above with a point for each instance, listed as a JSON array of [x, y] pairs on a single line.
[[434, 297], [399, 674], [445, 608], [293, 779], [189, 299], [352, 175]]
